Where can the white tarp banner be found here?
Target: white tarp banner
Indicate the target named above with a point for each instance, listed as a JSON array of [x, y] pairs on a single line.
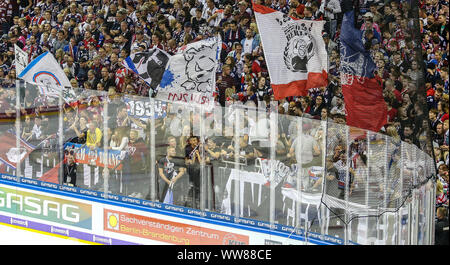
[[190, 74]]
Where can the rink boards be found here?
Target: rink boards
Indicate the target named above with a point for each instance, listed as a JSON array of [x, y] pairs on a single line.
[[91, 216]]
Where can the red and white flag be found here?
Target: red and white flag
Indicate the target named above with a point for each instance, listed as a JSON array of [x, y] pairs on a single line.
[[294, 51]]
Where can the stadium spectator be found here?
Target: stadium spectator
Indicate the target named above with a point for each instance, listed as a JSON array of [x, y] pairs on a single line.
[[70, 169], [170, 169], [93, 136], [192, 161], [441, 227]]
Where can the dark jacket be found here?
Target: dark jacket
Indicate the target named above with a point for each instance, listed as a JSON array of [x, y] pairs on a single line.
[[441, 232]]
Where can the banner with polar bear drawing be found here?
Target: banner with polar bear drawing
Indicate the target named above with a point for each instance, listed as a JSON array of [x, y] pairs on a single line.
[[190, 74]]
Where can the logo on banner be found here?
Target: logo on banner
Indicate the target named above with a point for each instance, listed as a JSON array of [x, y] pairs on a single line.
[[199, 67], [353, 66], [231, 239], [148, 65], [46, 78], [113, 221], [15, 155], [190, 73], [300, 47], [21, 59]]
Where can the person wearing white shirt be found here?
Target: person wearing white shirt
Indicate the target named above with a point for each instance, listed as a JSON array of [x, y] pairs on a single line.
[[209, 13], [307, 148], [339, 108], [249, 43], [36, 132], [330, 9]]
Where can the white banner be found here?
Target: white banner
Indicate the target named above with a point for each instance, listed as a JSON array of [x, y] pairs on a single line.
[[45, 70], [294, 51], [190, 74], [47, 74]]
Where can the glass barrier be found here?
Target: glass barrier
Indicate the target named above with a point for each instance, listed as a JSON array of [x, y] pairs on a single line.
[[317, 177], [12, 148]]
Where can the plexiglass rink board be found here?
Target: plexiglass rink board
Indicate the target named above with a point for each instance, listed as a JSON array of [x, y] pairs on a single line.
[[245, 161]]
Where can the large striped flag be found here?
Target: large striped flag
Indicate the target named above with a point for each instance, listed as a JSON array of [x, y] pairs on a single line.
[[362, 90], [294, 51]]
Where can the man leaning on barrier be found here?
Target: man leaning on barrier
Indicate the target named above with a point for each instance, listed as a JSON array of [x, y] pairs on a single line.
[[170, 169]]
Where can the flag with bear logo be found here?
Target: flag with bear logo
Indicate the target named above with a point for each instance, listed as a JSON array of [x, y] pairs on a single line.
[[294, 51]]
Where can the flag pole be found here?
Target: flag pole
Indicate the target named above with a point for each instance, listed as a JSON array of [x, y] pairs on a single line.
[[60, 134], [18, 134], [153, 181], [105, 147]]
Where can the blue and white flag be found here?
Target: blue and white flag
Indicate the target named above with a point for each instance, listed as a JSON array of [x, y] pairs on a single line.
[[190, 75], [149, 65], [47, 74], [46, 71]]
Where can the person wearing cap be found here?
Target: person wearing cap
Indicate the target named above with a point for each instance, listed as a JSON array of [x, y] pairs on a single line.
[[140, 39], [83, 69], [243, 11], [187, 33], [370, 24]]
